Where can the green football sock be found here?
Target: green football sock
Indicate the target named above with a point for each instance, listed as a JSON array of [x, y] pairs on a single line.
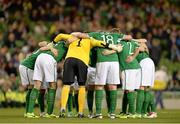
[[112, 100], [90, 99], [76, 101], [124, 103], [148, 109], [147, 98], [98, 100], [27, 99], [50, 100], [70, 102], [131, 102], [108, 100], [41, 100], [139, 101], [33, 96], [152, 102]]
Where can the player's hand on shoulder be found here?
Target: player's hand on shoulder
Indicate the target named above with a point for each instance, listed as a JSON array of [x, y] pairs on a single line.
[[43, 48], [42, 43], [119, 48], [50, 45], [108, 52], [141, 48], [142, 40], [54, 51], [105, 52]]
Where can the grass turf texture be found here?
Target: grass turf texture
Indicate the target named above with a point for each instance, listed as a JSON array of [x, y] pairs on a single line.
[[14, 115]]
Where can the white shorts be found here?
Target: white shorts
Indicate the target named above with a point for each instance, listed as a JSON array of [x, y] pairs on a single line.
[[45, 68], [107, 73], [91, 76], [26, 75], [131, 79], [147, 72]]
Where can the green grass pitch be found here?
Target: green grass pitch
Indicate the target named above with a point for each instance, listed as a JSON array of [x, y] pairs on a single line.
[[14, 115]]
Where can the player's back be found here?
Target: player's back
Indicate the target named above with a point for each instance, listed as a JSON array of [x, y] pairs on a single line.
[[111, 38], [29, 62], [61, 48], [128, 49], [80, 49]]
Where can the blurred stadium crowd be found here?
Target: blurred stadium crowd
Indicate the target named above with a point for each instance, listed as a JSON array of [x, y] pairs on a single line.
[[23, 23]]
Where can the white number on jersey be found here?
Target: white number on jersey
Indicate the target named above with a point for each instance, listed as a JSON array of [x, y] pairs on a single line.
[[130, 48], [108, 39]]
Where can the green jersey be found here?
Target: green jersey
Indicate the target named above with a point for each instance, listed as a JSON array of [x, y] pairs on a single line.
[[111, 38], [62, 50], [93, 57], [128, 49], [142, 55], [29, 62]]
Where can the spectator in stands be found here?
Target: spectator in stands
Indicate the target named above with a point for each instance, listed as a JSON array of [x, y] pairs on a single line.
[[155, 51], [175, 49], [174, 84]]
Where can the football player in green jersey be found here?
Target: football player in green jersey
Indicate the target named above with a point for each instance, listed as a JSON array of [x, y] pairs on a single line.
[[107, 69], [26, 70], [144, 96], [130, 77], [45, 70]]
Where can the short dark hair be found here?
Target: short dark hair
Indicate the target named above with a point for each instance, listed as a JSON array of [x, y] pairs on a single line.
[[115, 30]]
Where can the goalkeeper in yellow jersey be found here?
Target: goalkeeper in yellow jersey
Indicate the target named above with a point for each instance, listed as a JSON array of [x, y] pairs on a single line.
[[76, 64]]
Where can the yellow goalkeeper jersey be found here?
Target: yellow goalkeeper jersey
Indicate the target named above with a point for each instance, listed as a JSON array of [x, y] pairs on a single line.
[[80, 48]]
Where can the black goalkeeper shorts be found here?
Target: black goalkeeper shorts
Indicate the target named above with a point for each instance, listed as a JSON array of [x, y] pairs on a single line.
[[74, 67]]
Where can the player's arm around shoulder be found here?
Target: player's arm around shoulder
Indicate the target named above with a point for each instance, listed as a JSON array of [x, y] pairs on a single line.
[[141, 40], [97, 43], [42, 43], [144, 47], [50, 46], [133, 56], [130, 38], [108, 52], [62, 36], [80, 35], [100, 43], [68, 38]]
